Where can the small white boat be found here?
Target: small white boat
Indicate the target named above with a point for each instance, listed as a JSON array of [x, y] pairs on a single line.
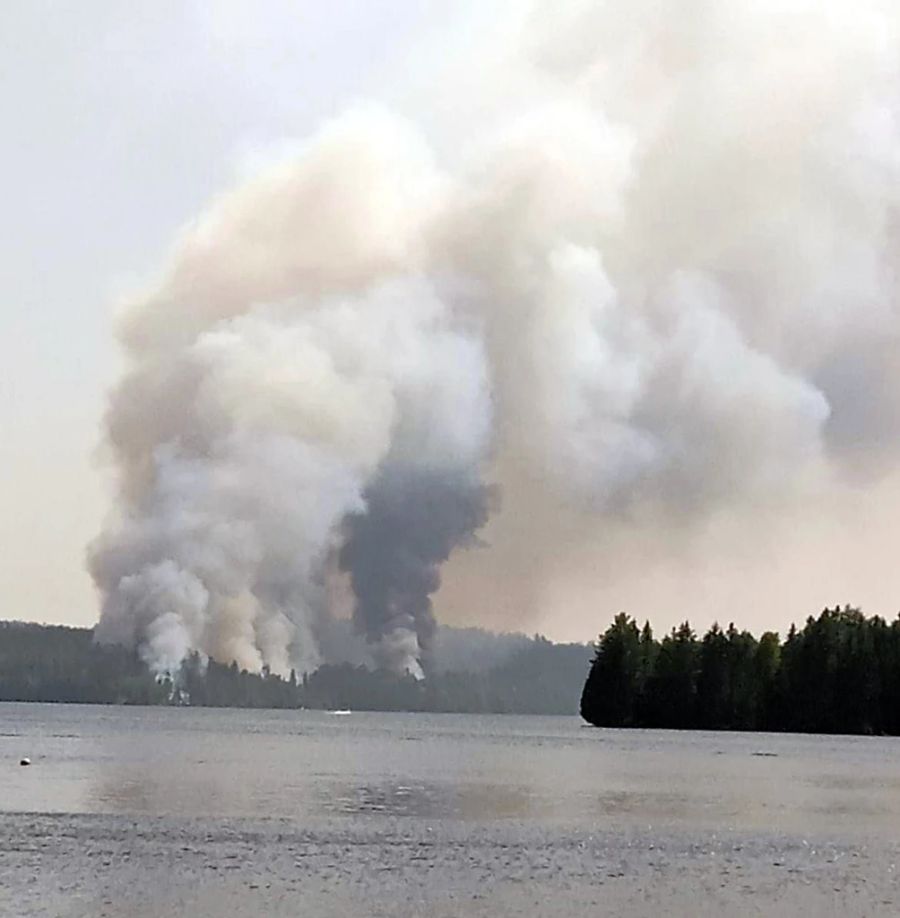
[[342, 713]]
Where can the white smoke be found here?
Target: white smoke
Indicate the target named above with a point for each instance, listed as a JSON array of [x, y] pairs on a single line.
[[279, 418], [653, 272]]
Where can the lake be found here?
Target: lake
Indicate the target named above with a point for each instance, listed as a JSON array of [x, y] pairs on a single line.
[[149, 811]]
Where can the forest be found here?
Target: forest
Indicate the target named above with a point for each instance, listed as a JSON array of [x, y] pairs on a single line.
[[520, 675], [840, 673]]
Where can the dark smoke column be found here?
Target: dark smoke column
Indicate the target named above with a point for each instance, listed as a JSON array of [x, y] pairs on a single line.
[[414, 519]]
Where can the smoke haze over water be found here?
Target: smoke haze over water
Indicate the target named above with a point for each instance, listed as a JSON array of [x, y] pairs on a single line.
[[642, 279]]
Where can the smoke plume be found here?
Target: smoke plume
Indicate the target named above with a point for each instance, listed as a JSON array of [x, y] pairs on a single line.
[[412, 521], [641, 273]]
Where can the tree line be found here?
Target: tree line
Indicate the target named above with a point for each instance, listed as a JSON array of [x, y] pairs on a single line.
[[840, 673], [62, 664]]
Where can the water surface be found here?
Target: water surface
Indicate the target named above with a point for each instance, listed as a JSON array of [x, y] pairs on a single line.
[[533, 802]]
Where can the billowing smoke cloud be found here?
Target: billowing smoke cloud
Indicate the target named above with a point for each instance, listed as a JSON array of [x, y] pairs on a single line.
[[645, 272], [413, 520], [272, 428]]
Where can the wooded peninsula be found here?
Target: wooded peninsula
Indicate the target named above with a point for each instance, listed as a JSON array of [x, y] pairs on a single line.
[[839, 674]]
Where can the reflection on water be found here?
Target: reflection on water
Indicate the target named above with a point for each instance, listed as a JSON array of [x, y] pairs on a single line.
[[428, 800], [306, 765]]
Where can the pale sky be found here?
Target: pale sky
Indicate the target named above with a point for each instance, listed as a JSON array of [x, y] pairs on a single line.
[[121, 120]]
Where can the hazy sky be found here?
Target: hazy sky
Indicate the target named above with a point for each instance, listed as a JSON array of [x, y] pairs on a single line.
[[123, 121], [120, 122]]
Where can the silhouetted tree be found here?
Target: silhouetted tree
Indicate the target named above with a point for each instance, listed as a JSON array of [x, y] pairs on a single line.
[[672, 687], [839, 674], [614, 684]]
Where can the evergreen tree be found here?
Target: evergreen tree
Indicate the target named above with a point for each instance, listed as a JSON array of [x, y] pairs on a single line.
[[672, 689], [767, 669], [714, 688], [613, 685], [839, 674]]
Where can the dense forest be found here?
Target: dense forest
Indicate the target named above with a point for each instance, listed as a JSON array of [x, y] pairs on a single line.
[[839, 674], [522, 675]]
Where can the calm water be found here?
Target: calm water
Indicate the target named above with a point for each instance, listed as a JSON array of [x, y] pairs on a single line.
[[303, 765], [515, 795]]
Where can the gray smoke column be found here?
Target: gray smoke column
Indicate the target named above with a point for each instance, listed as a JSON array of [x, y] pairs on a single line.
[[633, 263], [394, 550]]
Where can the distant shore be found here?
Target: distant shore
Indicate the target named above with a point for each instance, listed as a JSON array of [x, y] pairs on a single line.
[[61, 664]]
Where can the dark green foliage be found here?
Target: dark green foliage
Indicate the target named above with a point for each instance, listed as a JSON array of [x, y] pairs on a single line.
[[40, 663], [335, 687], [540, 678], [714, 684], [214, 685], [615, 680], [54, 663], [840, 674], [834, 671], [671, 691]]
